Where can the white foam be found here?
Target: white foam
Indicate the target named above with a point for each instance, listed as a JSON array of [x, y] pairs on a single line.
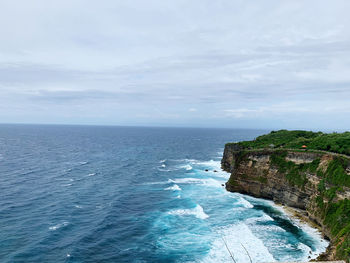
[[243, 202], [91, 174], [207, 181], [162, 161], [163, 165], [235, 236], [186, 160], [211, 163], [78, 206], [175, 187], [188, 167], [262, 218], [197, 212], [165, 170], [63, 224], [154, 183], [83, 163], [320, 243]]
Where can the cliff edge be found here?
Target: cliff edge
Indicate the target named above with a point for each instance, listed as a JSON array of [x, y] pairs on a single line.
[[316, 181]]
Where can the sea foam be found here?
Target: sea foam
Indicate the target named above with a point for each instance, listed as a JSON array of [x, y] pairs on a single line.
[[175, 187], [55, 227], [196, 211], [236, 236], [204, 181]]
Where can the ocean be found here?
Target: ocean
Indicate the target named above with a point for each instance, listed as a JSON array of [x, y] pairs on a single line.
[[133, 194]]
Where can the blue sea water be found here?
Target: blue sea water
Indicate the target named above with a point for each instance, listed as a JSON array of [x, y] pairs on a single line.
[[123, 194]]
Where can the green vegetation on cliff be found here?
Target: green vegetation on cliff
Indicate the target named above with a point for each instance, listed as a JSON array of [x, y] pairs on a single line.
[[295, 173], [335, 213], [332, 142], [336, 216], [336, 172]]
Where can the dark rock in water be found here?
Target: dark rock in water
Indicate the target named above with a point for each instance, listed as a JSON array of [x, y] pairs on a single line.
[[206, 170], [215, 171], [222, 185]]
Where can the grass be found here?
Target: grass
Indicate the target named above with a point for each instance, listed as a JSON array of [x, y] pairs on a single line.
[[332, 142]]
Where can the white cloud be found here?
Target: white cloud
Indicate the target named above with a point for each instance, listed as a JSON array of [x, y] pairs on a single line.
[[244, 60]]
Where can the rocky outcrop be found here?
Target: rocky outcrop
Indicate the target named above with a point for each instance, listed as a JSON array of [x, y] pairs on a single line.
[[254, 175], [264, 173]]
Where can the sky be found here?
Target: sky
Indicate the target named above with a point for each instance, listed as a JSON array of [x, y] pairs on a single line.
[[198, 63]]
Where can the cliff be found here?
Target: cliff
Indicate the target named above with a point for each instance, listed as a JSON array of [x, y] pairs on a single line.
[[315, 181]]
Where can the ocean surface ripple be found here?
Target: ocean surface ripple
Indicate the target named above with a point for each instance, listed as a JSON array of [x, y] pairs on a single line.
[[122, 194]]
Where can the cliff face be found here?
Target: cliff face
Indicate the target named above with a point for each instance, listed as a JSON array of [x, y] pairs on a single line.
[[255, 176], [287, 177]]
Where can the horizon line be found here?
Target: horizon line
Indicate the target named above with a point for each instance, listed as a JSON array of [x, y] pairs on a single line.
[[168, 126]]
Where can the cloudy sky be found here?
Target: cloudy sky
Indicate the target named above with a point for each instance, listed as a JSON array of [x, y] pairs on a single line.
[[202, 63]]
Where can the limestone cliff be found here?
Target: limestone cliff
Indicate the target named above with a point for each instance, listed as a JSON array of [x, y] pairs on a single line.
[[295, 178]]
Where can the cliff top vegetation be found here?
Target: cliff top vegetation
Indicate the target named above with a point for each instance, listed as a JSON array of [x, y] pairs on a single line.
[[331, 142]]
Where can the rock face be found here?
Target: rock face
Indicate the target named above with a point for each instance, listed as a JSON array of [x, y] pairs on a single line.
[[254, 175], [254, 172]]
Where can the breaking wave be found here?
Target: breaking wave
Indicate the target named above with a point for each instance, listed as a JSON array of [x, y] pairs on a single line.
[[197, 212]]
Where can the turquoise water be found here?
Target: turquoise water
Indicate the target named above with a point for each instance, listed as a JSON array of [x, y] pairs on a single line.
[[119, 194]]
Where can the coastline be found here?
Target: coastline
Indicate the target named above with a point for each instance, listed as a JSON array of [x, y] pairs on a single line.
[[300, 216]]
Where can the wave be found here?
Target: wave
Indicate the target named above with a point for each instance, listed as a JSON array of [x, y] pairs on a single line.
[[319, 243], [196, 165], [243, 202], [264, 218], [187, 167], [207, 181], [235, 236], [175, 187], [185, 160], [163, 169], [197, 212], [91, 174], [211, 165], [154, 183], [63, 224]]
